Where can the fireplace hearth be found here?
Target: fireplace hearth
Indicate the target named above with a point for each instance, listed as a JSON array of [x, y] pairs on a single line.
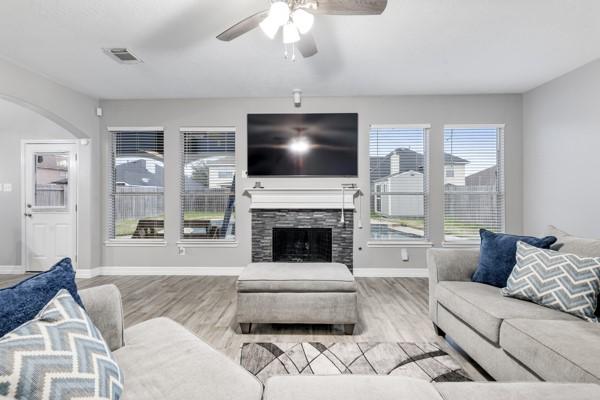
[[302, 244]]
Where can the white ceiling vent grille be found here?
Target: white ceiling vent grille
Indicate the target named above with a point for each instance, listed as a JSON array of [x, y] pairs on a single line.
[[123, 55]]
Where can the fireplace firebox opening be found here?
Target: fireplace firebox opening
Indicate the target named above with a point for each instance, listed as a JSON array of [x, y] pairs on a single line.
[[302, 245]]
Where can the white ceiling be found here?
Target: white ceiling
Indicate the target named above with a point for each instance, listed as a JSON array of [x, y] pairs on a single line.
[[415, 47]]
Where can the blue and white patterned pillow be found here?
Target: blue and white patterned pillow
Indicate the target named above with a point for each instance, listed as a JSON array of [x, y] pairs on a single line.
[[562, 281], [59, 354]]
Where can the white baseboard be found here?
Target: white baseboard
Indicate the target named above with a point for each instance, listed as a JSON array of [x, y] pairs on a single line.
[[160, 271], [235, 271], [11, 270], [391, 272]]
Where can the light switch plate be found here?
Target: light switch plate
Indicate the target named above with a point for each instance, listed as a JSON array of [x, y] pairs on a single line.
[[7, 187]]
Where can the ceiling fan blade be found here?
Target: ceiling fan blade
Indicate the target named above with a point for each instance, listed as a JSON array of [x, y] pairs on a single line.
[[307, 45], [350, 7], [243, 26]]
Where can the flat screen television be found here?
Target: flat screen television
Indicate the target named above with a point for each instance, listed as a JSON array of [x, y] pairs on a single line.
[[302, 144]]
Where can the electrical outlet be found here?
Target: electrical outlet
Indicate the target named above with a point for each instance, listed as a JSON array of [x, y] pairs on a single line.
[[404, 254], [181, 250], [7, 187]]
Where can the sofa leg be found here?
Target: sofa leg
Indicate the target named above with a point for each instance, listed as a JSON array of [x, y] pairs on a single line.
[[438, 331], [348, 329], [245, 328]]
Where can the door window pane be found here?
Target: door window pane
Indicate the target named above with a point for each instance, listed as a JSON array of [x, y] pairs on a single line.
[[51, 180]]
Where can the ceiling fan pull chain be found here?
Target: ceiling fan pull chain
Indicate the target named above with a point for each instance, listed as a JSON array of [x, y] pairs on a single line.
[[285, 51], [293, 53]]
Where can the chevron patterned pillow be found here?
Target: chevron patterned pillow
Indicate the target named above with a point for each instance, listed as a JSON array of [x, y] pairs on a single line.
[[562, 281], [59, 354]]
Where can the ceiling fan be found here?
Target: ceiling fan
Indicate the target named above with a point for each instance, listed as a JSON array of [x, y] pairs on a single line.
[[296, 17]]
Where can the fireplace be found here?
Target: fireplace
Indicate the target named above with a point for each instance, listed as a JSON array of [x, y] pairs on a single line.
[[302, 244]]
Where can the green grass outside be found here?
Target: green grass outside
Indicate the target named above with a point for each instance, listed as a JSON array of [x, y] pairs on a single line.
[[126, 227]]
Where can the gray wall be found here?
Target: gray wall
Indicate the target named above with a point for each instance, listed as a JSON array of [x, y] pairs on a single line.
[[561, 148], [17, 123], [436, 110], [74, 112]]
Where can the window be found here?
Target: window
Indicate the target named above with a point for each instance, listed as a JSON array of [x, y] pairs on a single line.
[[136, 185], [399, 182], [474, 193], [208, 184]]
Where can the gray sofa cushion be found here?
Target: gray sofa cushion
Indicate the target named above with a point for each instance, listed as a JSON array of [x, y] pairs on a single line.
[[484, 308], [289, 277], [517, 391], [561, 351], [163, 360], [348, 387], [583, 247]]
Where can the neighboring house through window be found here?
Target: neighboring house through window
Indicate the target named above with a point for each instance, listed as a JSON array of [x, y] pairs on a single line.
[[399, 182], [136, 185], [474, 191], [208, 184]]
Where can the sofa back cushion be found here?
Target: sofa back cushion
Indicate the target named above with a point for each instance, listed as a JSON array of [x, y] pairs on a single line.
[[498, 255], [22, 302], [562, 281]]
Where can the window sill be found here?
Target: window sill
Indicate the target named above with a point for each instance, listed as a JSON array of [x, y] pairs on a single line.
[[461, 244], [399, 243], [136, 243], [207, 243]]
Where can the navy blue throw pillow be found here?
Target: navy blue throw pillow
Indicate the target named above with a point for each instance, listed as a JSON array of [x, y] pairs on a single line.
[[22, 302], [498, 255]]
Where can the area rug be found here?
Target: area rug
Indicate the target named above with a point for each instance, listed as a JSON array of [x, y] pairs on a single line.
[[424, 361]]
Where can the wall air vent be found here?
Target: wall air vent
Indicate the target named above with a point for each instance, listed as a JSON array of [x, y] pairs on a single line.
[[122, 55]]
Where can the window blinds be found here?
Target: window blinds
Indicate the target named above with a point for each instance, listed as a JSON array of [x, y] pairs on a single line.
[[208, 184], [473, 181], [136, 185], [399, 183]]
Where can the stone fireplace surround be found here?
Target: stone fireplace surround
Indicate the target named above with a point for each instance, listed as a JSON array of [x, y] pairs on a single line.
[[342, 240], [303, 208]]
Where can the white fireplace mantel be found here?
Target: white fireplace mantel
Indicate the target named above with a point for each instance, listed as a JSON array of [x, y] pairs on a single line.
[[302, 198]]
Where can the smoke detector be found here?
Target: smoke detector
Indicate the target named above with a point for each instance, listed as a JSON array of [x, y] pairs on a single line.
[[122, 55]]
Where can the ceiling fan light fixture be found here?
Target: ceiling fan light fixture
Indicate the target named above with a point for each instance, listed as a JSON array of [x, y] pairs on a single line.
[[290, 34], [280, 12], [303, 20], [269, 27]]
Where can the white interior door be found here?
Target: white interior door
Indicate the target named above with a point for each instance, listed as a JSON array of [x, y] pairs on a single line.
[[50, 204]]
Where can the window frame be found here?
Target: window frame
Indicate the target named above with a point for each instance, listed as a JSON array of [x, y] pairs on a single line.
[[194, 242], [110, 181], [425, 241], [500, 165]]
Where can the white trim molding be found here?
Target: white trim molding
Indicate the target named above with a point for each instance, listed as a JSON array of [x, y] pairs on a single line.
[[207, 243], [207, 129], [482, 126], [11, 270], [399, 244], [160, 271], [391, 273], [135, 128], [296, 198], [135, 243]]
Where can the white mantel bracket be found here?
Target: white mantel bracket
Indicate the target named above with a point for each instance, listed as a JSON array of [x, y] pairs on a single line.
[[302, 198]]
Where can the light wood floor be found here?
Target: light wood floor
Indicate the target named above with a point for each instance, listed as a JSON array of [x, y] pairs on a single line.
[[390, 309]]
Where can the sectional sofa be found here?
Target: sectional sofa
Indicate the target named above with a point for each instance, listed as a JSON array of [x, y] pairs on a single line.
[[162, 360], [513, 340]]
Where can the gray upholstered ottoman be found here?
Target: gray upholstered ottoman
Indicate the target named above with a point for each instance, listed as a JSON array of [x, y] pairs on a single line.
[[297, 293]]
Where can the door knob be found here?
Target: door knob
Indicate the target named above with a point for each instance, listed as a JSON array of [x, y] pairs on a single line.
[[28, 215]]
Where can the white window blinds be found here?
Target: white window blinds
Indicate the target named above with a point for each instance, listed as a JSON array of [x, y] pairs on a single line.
[[474, 181], [136, 185], [399, 183], [208, 184]]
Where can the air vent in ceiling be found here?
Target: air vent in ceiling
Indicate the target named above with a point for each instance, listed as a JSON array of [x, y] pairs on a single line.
[[123, 55]]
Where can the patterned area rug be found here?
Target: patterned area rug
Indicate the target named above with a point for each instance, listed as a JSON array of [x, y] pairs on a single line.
[[424, 361]]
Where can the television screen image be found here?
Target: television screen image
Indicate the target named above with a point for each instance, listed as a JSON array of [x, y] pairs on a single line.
[[302, 144]]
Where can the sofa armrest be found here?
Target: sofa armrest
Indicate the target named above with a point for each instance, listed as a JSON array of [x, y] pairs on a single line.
[[449, 265], [105, 308]]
